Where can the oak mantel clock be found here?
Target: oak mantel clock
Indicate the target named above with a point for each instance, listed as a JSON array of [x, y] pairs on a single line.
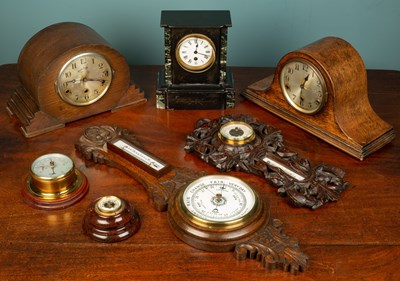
[[322, 88], [68, 72], [195, 74]]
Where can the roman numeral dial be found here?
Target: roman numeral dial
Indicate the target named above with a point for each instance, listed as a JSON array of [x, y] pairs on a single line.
[[195, 53]]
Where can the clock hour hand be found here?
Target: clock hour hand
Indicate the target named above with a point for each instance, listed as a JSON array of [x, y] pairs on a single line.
[[302, 85]]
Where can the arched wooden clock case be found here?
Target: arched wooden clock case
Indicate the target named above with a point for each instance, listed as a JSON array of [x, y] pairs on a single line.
[[345, 118], [37, 102]]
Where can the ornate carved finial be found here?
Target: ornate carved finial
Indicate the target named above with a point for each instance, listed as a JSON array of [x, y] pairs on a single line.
[[274, 249]]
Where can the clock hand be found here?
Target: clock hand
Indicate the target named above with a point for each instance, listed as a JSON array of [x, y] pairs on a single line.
[[93, 79], [302, 85], [202, 54]]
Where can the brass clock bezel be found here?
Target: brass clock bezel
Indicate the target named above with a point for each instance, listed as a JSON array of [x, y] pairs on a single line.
[[67, 64], [200, 68], [320, 77], [236, 142]]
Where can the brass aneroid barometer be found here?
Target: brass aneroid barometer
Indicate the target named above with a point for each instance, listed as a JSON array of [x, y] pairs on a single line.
[[236, 133], [68, 72], [111, 219], [322, 89], [215, 212], [54, 182]]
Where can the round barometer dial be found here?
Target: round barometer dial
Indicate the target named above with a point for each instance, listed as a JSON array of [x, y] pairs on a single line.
[[214, 212], [236, 133], [303, 86], [195, 53], [219, 201], [84, 79], [54, 182]]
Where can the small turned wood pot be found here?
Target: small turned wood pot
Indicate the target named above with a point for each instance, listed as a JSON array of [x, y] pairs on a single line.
[[111, 219]]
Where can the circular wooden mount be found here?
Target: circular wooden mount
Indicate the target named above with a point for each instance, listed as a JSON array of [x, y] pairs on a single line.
[[111, 219], [214, 239], [74, 193]]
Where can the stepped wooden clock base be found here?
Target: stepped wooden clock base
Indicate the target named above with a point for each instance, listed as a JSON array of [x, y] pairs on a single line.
[[258, 94], [34, 121]]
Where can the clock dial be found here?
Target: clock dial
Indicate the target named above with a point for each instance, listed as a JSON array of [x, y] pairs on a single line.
[[52, 166], [236, 133], [195, 53], [303, 86], [219, 201], [84, 79], [54, 183]]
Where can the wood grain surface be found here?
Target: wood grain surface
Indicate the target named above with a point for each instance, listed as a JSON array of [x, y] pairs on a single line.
[[355, 238]]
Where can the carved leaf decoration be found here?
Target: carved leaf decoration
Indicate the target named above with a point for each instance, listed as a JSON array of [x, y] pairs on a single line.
[[93, 143], [182, 178], [274, 249], [314, 187]]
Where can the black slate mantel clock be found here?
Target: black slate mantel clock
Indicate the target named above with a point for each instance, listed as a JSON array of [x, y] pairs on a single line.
[[195, 75]]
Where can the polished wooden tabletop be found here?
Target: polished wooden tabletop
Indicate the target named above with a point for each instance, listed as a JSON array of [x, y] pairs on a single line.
[[355, 238]]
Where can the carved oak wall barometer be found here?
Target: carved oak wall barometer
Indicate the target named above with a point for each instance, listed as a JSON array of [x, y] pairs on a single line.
[[195, 74], [216, 213], [68, 72], [322, 88], [241, 143]]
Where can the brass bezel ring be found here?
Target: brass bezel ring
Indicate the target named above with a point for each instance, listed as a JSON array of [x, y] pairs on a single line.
[[190, 68], [320, 77], [236, 142]]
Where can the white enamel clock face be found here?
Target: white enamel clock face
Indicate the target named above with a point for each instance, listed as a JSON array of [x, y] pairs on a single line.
[[195, 53], [219, 200], [52, 166], [236, 133], [84, 79], [303, 86]]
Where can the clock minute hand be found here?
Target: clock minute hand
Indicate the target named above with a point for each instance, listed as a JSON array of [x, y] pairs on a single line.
[[93, 79], [202, 54]]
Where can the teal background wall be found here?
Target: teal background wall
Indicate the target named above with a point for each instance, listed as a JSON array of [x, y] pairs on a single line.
[[263, 30]]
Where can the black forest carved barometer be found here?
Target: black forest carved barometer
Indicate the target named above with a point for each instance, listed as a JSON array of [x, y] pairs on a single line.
[[215, 213], [241, 143]]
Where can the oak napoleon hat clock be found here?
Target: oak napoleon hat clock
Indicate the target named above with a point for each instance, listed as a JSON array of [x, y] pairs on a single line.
[[195, 75], [322, 89], [68, 72]]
